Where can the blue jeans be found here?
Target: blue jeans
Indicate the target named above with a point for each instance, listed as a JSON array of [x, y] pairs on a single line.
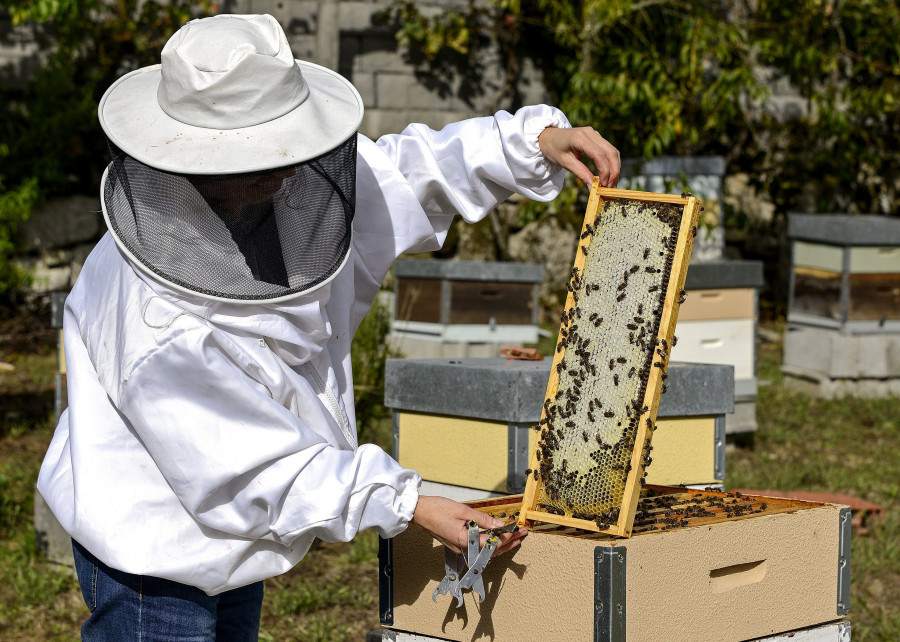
[[139, 607]]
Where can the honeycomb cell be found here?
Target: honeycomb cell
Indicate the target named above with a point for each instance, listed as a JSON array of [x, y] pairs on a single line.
[[608, 344]]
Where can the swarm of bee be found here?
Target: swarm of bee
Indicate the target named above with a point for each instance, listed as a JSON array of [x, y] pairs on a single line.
[[609, 342]]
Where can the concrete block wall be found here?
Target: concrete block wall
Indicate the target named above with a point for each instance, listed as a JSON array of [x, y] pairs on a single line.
[[347, 35]]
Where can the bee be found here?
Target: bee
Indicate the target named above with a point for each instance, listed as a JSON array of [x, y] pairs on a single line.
[[653, 288], [621, 359], [631, 372], [584, 435], [588, 230], [694, 231], [612, 364], [584, 250], [631, 326], [535, 473], [608, 414], [674, 341], [590, 416], [634, 268], [682, 296], [616, 379], [646, 252], [640, 308]]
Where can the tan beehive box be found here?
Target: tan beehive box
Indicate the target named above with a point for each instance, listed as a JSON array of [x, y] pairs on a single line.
[[773, 566]]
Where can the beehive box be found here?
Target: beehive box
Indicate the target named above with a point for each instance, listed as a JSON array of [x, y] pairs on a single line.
[[839, 631], [463, 308], [754, 568], [717, 323], [53, 541], [485, 409], [701, 176], [843, 331], [845, 272]]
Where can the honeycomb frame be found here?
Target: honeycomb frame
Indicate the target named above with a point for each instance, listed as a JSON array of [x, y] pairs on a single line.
[[549, 485]]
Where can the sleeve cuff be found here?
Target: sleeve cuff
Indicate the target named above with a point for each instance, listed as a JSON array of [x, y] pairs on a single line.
[[407, 499], [519, 133]]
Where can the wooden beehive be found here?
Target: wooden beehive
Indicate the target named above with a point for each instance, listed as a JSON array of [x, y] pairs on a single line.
[[587, 467], [463, 308], [700, 565], [486, 408]]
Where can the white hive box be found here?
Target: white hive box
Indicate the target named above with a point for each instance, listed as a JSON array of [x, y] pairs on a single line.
[[717, 323]]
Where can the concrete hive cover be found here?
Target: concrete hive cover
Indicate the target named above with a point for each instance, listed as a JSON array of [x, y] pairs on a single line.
[[588, 464]]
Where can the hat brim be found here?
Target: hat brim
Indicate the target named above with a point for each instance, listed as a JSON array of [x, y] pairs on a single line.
[[132, 119]]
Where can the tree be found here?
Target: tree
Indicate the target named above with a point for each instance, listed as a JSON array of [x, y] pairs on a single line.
[[50, 139], [694, 76]]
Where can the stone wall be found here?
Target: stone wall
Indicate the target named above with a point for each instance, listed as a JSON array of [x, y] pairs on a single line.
[[348, 36]]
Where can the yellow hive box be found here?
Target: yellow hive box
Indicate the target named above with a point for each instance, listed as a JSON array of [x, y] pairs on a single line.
[[467, 422]]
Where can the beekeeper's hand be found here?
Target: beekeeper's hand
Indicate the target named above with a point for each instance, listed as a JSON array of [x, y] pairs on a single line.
[[566, 146], [448, 520]]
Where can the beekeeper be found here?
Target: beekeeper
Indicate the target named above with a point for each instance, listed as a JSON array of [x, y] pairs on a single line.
[[210, 435]]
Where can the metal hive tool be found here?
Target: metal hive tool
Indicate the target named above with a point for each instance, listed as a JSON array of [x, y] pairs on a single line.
[[588, 463]]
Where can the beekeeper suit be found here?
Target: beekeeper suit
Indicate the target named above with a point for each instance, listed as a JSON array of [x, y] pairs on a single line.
[[211, 435]]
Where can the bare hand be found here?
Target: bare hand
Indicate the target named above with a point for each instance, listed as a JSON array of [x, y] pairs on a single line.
[[447, 521], [565, 146]]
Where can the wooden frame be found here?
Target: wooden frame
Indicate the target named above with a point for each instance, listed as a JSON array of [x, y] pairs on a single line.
[[669, 316]]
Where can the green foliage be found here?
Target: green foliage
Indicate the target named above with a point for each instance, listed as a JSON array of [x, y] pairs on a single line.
[[368, 353], [694, 77], [15, 207], [450, 30], [50, 137]]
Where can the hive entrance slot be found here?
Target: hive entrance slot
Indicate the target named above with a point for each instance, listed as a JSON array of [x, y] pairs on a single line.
[[731, 577]]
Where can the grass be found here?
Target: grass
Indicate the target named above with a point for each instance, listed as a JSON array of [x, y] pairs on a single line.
[[847, 445]]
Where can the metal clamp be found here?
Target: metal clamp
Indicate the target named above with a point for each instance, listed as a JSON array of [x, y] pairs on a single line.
[[454, 581]]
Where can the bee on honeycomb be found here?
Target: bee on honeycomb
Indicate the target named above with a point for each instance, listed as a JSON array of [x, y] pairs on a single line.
[[608, 339]]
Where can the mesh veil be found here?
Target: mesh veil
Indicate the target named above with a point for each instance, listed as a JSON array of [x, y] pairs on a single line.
[[242, 237]]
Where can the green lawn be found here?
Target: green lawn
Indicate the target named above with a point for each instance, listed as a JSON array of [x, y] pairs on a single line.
[[846, 446]]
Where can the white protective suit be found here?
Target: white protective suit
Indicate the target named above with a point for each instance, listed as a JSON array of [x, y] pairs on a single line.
[[210, 443]]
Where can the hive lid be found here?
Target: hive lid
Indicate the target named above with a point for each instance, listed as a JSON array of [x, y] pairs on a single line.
[[710, 275], [498, 389], [469, 270], [845, 229], [609, 367]]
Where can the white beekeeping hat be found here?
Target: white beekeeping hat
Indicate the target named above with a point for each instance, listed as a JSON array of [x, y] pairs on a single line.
[[233, 165]]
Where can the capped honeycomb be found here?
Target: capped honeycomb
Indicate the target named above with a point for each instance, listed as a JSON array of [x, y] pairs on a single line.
[[609, 370]]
